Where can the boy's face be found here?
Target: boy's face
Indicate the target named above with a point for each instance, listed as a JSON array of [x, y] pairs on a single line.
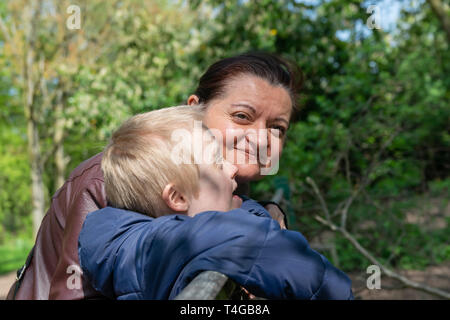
[[216, 185]]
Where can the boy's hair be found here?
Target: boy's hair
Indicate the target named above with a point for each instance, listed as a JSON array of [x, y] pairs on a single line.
[[137, 162]]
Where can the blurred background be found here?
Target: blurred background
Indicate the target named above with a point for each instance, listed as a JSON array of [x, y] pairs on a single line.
[[365, 171]]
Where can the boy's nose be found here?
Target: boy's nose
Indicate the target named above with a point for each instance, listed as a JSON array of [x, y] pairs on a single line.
[[230, 168]]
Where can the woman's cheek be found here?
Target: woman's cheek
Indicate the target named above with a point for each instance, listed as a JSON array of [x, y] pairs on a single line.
[[276, 147]]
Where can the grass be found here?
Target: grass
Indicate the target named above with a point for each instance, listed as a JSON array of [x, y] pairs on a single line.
[[13, 254]]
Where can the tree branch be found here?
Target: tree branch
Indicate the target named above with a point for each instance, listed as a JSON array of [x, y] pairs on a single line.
[[390, 273], [319, 196], [439, 10], [366, 180]]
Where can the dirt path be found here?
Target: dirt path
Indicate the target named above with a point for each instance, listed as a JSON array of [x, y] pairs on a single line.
[[434, 276], [6, 281]]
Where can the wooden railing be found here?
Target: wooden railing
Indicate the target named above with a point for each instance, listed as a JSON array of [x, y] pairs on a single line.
[[206, 286]]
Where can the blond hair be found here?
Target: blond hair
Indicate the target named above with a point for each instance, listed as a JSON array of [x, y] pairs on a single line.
[[137, 162]]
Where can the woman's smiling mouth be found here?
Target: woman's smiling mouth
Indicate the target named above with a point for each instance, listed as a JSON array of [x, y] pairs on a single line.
[[250, 156]]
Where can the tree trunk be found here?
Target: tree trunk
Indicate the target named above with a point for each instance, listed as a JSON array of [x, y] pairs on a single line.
[[58, 140], [34, 148], [443, 16], [37, 182]]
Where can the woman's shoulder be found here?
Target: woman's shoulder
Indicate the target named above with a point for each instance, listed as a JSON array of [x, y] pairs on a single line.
[[90, 167]]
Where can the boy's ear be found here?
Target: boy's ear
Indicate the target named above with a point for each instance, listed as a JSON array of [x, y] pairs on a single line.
[[192, 100], [174, 199]]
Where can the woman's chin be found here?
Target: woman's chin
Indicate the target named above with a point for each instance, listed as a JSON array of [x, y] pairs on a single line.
[[247, 173]]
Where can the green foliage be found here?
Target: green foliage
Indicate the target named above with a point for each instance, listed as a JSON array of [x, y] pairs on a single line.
[[15, 207], [14, 183], [399, 244], [13, 254]]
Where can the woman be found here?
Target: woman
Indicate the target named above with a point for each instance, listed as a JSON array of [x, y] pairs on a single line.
[[250, 91]]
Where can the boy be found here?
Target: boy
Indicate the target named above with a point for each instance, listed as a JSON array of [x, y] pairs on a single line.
[[188, 225]]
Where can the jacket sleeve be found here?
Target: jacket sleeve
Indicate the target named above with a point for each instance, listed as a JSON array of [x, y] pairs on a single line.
[[292, 270], [287, 253], [252, 250]]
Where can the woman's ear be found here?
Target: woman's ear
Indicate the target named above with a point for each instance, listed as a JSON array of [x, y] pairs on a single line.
[[193, 100], [174, 199]]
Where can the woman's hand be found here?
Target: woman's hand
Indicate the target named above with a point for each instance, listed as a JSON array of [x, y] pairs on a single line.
[[276, 214], [274, 211], [236, 202]]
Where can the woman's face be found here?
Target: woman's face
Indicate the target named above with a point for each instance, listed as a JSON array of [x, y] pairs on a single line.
[[252, 118]]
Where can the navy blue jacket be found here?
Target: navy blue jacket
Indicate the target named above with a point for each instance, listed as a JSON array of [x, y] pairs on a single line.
[[127, 255]]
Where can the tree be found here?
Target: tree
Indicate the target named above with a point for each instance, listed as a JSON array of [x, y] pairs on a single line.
[[81, 83], [442, 14], [22, 46]]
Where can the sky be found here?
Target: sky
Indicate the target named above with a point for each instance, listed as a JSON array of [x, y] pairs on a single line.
[[386, 14], [389, 13]]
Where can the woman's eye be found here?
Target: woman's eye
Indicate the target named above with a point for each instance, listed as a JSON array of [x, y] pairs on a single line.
[[241, 116], [281, 130]]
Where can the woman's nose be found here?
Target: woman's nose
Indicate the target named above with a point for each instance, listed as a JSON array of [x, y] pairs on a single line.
[[259, 138]]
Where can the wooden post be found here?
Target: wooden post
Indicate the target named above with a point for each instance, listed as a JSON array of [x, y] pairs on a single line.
[[205, 286]]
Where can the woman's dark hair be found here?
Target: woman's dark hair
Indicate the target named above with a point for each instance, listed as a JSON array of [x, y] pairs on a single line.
[[275, 70]]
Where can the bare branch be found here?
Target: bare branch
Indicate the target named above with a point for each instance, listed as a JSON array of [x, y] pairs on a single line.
[[366, 180], [319, 196], [390, 273], [441, 13]]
